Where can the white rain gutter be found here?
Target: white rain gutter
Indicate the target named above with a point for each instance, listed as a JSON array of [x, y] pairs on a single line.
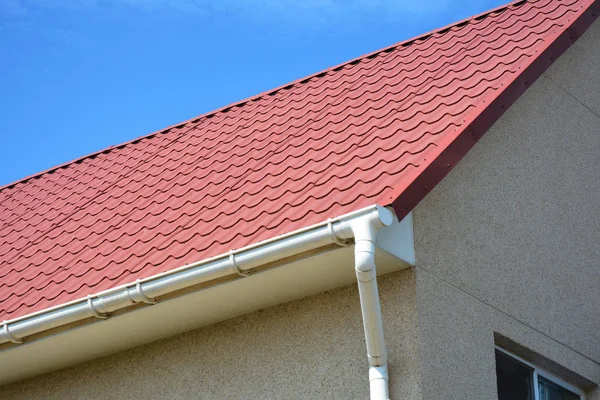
[[362, 225]]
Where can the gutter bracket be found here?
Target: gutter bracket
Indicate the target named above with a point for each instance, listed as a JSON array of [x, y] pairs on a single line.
[[334, 238], [10, 336], [235, 266], [140, 292], [95, 312]]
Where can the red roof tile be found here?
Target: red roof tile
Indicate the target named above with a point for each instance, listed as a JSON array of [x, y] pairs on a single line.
[[383, 128]]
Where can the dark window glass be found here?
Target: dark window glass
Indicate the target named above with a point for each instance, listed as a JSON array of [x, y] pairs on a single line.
[[551, 391], [514, 379]]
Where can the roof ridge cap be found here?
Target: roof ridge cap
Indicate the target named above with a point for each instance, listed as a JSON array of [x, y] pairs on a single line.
[[241, 103]]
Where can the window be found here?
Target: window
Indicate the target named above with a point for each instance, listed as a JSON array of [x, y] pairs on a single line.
[[520, 380]]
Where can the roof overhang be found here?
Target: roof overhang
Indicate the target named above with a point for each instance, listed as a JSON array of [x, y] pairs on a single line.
[[303, 275]]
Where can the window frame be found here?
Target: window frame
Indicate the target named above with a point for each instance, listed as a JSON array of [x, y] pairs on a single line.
[[537, 371]]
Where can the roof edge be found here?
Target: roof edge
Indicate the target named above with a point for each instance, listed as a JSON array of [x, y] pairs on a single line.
[[311, 239], [287, 86], [407, 198]]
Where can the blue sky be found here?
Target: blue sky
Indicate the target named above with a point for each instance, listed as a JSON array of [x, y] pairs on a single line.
[[80, 75]]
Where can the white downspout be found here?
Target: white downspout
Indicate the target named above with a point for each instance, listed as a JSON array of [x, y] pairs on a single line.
[[365, 234]]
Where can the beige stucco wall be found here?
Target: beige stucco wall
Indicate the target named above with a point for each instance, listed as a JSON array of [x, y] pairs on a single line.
[[311, 348], [509, 242]]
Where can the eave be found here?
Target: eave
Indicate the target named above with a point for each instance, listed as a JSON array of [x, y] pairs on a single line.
[[282, 278]]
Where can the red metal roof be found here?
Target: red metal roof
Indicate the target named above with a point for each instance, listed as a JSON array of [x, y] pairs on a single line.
[[383, 128]]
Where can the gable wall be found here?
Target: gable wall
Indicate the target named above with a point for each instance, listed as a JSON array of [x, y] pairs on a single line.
[[509, 241]]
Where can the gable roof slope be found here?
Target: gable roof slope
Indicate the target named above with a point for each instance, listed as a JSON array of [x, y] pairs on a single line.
[[383, 128]]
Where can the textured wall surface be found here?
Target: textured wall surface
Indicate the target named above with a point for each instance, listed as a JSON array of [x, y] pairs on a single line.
[[311, 348], [509, 241]]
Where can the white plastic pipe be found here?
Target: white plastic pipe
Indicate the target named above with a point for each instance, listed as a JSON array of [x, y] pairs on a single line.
[[378, 382], [365, 235]]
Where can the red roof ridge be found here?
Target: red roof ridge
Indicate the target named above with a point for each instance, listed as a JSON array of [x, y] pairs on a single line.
[[270, 92]]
